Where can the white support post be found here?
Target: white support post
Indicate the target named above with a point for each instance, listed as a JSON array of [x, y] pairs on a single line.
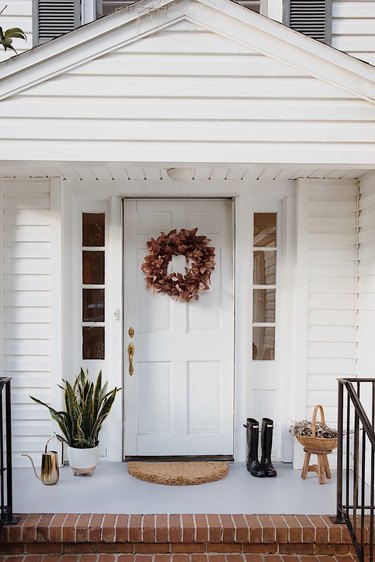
[[301, 316]]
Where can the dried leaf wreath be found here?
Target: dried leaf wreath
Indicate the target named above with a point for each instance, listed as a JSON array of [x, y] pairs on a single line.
[[196, 251]]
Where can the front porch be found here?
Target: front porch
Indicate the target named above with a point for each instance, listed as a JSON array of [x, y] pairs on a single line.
[[113, 490]]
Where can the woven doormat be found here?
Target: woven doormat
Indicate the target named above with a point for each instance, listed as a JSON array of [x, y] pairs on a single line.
[[178, 473]]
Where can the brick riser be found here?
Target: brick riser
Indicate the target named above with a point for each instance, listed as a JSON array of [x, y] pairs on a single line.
[[203, 535]]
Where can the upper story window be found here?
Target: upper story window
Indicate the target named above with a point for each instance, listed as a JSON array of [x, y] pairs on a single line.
[[105, 7]]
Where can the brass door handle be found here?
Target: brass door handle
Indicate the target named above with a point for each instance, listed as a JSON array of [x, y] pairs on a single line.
[[131, 351]]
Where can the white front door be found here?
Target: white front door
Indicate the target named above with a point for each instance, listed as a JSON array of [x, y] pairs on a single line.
[[179, 401]]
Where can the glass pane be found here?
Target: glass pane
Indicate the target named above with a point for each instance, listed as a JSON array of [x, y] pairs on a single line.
[[93, 343], [93, 305], [93, 229], [264, 268], [265, 229], [93, 268], [263, 343], [264, 305]]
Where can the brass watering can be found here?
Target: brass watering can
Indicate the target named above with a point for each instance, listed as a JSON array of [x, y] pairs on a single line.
[[50, 466]]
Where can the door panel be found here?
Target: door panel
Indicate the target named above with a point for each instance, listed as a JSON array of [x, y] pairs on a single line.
[[180, 399]]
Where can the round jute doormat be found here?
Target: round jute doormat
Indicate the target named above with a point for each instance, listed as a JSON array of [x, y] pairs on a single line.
[[178, 473]]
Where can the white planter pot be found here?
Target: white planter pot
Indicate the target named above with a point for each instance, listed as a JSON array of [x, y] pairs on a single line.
[[83, 461]]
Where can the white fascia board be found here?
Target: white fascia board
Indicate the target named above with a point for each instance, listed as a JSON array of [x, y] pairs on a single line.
[[220, 16]]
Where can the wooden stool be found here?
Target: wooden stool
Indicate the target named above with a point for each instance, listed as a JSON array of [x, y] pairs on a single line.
[[322, 468]]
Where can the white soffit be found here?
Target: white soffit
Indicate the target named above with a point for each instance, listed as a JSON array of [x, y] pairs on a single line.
[[220, 16], [113, 173]]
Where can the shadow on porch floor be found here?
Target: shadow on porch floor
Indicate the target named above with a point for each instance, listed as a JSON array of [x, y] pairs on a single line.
[[113, 490]]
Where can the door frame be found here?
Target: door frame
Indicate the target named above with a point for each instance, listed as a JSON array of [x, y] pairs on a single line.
[[232, 201], [78, 195]]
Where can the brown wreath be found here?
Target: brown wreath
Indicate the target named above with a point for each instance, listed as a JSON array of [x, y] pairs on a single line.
[[198, 275]]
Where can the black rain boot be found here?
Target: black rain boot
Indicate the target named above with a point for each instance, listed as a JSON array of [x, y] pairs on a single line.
[[252, 434], [267, 431]]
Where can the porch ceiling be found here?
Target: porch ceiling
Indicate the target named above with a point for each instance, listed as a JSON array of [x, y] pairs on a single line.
[[105, 172]]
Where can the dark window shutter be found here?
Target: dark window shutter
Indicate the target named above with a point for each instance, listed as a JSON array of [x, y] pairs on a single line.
[[311, 17], [53, 18]]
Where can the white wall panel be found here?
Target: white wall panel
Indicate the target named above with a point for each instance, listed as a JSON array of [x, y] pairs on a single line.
[[25, 238], [331, 239], [353, 25], [366, 281]]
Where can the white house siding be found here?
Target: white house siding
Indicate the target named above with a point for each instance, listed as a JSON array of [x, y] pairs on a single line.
[[25, 237], [332, 246], [18, 13], [185, 93], [353, 23], [365, 356]]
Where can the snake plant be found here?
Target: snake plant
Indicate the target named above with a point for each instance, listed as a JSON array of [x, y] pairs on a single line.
[[86, 407]]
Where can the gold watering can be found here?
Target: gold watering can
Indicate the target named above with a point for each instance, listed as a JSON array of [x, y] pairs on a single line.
[[50, 466]]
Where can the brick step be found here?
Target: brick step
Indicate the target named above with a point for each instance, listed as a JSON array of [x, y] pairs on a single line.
[[63, 534], [177, 558]]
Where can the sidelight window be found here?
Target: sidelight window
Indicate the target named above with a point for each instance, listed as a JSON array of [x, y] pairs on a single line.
[[93, 286], [264, 286]]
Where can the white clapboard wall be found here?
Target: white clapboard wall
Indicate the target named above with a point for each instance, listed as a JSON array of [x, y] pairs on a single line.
[[366, 282], [25, 246], [353, 23], [186, 90], [332, 234]]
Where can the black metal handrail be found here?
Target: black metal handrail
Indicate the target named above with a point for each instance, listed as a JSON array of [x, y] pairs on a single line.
[[6, 489], [356, 462]]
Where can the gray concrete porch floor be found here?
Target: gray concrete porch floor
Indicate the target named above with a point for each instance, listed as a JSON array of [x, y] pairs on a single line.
[[112, 490]]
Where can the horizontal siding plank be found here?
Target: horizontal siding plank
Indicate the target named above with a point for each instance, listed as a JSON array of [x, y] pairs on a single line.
[[366, 284], [327, 241], [332, 302], [24, 203], [353, 9], [35, 331], [337, 285], [331, 349], [366, 353], [123, 86], [34, 233], [26, 217], [26, 265], [200, 64], [27, 298], [27, 347], [353, 26], [366, 267], [315, 397], [321, 382], [29, 315], [188, 131], [332, 270], [366, 319], [367, 250], [27, 282], [336, 366], [149, 108], [323, 333], [26, 250], [366, 302], [28, 412], [366, 336], [335, 255], [22, 396], [24, 362], [340, 318]]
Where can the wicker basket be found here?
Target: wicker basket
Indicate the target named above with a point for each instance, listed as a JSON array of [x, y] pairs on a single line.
[[310, 442]]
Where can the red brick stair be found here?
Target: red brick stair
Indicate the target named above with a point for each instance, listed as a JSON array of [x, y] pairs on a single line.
[[179, 538]]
